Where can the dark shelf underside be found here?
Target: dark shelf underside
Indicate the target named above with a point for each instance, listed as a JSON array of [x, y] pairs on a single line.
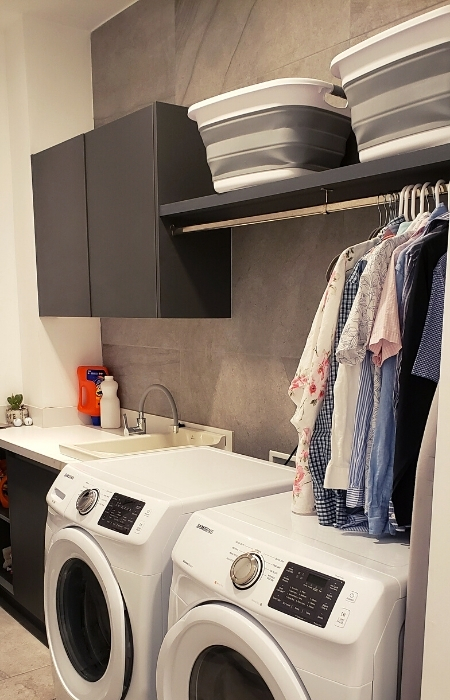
[[346, 183]]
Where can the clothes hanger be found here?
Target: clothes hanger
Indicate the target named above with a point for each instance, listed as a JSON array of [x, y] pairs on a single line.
[[423, 192], [406, 202], [415, 189], [437, 190], [402, 200]]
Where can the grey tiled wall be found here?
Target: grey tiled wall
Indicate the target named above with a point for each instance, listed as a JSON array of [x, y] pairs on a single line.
[[233, 373]]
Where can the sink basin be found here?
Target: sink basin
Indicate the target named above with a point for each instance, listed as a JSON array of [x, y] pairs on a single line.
[[136, 444]]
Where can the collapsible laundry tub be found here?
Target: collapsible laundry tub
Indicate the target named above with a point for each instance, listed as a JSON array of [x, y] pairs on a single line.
[[271, 131], [398, 86]]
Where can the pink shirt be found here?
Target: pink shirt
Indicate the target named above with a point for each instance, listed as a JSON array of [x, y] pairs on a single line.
[[386, 340]]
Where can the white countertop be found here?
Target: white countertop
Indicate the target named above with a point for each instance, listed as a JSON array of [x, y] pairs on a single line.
[[42, 444]]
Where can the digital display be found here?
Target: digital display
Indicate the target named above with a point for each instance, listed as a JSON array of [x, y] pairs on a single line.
[[121, 513], [317, 580]]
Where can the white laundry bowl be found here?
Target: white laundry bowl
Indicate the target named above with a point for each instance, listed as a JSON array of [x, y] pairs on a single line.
[[271, 131], [398, 86]]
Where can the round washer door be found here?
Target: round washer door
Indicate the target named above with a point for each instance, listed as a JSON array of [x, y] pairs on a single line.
[[86, 620], [217, 652]]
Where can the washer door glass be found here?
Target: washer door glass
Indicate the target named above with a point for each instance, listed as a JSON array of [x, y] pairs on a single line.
[[83, 619], [221, 673]]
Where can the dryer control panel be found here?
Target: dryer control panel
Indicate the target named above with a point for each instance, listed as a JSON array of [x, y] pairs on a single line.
[[121, 513], [306, 594]]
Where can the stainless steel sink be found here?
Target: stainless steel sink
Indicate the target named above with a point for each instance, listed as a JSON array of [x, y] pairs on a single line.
[[137, 444]]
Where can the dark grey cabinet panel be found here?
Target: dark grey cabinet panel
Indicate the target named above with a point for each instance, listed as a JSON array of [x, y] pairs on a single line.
[[194, 271], [133, 266], [121, 216], [28, 484], [59, 196]]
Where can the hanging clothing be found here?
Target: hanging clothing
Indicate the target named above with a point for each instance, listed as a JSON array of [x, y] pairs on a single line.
[[412, 413], [385, 342], [428, 360], [330, 503], [363, 415], [351, 352], [307, 389]]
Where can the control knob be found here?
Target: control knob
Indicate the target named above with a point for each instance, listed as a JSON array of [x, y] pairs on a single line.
[[246, 570], [86, 501]]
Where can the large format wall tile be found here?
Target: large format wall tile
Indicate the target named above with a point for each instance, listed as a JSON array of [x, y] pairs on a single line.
[[233, 373], [317, 66], [135, 368], [246, 394], [205, 75], [284, 32], [377, 15], [133, 60]]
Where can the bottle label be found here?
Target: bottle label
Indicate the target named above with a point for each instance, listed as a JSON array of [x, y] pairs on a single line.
[[96, 376]]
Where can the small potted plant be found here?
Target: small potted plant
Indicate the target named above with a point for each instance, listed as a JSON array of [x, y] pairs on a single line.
[[16, 409]]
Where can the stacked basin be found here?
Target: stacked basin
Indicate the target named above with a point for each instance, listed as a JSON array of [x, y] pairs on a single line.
[[271, 131], [398, 86]]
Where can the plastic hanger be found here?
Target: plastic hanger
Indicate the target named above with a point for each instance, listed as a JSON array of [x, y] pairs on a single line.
[[401, 200], [423, 192], [415, 189], [406, 202], [437, 189]]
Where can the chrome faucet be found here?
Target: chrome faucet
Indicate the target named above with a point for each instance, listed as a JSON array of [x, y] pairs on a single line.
[[141, 424]]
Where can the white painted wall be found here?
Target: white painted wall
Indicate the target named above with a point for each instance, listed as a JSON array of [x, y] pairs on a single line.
[[49, 99], [10, 356], [436, 667]]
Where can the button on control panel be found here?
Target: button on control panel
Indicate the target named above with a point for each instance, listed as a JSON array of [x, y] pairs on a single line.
[[342, 618], [306, 594], [121, 513]]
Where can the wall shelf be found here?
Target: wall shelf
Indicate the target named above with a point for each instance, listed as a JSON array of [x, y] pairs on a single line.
[[349, 182]]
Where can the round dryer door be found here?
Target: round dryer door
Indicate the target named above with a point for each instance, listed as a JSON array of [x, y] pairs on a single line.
[[217, 652], [87, 623]]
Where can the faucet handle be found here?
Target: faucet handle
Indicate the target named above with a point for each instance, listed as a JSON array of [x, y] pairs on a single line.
[[126, 430]]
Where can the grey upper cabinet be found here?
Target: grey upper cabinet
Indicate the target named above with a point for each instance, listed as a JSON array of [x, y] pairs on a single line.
[[59, 194], [111, 191]]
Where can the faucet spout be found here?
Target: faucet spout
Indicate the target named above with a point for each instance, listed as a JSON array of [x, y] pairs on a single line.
[[167, 393]]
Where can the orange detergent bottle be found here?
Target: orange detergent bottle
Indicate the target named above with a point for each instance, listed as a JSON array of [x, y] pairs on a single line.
[[89, 390]]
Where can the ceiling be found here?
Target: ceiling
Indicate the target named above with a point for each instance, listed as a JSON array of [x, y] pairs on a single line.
[[85, 14]]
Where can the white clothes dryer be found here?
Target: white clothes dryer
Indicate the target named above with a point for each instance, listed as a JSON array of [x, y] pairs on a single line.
[[110, 531], [268, 605]]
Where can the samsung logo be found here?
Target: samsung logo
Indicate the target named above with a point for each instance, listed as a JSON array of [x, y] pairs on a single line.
[[205, 529]]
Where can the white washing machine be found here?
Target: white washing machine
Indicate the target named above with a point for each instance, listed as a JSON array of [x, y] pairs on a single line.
[[267, 605], [111, 528]]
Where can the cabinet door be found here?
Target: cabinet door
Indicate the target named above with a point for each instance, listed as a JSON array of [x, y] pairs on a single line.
[[121, 216], [59, 195], [28, 484]]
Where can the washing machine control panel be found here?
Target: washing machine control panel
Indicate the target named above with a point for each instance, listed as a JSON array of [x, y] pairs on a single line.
[[306, 594], [121, 513]]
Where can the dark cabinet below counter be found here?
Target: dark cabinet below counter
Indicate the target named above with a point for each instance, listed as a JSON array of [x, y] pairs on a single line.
[[101, 247], [28, 484]]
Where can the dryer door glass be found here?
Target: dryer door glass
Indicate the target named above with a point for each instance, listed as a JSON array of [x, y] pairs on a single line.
[[221, 673], [83, 619]]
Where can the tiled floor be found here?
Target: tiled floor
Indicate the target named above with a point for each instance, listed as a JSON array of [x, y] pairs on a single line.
[[25, 671]]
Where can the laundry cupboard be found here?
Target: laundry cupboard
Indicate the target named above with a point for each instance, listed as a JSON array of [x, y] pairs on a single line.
[[101, 247], [28, 484]]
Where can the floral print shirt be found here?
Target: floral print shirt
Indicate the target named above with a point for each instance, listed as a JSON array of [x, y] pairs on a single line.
[[307, 389]]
